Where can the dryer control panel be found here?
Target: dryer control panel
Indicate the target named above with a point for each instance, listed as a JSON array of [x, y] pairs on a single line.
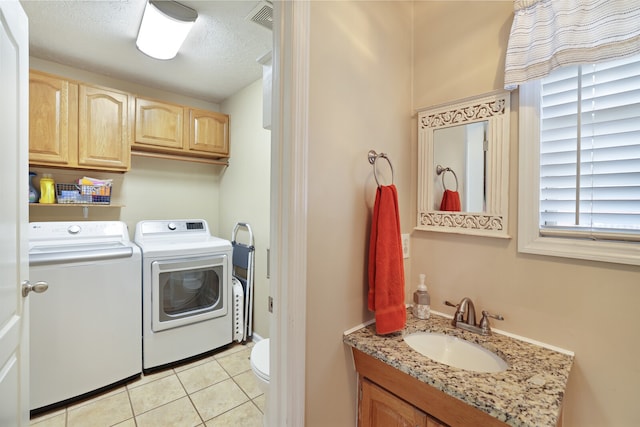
[[180, 226]]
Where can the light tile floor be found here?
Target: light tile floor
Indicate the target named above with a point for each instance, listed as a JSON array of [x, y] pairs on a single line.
[[216, 391]]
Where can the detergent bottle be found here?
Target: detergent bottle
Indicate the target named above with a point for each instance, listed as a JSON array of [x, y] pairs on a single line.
[[33, 193], [47, 189]]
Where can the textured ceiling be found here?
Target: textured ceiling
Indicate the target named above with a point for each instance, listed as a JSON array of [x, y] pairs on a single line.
[[217, 59]]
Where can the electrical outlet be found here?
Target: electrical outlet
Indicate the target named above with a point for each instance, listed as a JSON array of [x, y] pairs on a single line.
[[405, 245]]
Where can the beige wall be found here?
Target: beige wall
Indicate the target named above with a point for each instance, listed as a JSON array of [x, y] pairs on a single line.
[[360, 99], [245, 188], [170, 189], [586, 307]]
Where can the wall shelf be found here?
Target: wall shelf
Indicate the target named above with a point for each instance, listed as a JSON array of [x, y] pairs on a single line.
[[74, 205], [85, 207]]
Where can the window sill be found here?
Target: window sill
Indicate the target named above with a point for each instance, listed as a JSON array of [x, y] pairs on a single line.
[[614, 252]]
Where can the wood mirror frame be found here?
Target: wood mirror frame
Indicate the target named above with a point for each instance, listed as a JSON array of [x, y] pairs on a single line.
[[493, 107]]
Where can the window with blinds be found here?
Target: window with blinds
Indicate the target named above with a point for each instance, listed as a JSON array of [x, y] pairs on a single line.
[[590, 151]]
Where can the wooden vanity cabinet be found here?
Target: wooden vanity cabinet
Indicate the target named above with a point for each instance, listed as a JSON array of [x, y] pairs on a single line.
[[168, 130], [389, 397], [76, 125], [380, 408]]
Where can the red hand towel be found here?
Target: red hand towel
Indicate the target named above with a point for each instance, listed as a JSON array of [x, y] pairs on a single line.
[[386, 267], [450, 201]]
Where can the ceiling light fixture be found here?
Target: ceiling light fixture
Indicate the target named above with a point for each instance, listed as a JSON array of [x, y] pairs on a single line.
[[164, 27]]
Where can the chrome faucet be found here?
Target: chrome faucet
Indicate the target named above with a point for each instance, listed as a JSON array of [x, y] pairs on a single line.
[[465, 306], [469, 323]]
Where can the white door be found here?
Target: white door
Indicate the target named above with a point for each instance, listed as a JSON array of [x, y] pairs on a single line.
[[14, 215]]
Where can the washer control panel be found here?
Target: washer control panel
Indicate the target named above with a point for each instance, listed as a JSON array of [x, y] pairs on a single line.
[[66, 230]]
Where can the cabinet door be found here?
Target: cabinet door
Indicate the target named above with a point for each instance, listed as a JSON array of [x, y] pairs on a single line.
[[103, 128], [209, 132], [52, 120], [379, 408], [159, 124]]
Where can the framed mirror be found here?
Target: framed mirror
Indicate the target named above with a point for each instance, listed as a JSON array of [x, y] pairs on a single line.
[[463, 166]]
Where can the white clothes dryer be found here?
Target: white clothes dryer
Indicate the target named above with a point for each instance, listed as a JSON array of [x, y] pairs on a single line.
[[186, 290]]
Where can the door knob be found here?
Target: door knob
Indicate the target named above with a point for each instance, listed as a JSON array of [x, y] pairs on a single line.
[[39, 287]]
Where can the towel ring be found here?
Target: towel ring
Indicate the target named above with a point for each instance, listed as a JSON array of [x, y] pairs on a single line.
[[373, 156], [441, 171]]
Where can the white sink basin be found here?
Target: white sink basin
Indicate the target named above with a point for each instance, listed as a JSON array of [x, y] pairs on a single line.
[[455, 352]]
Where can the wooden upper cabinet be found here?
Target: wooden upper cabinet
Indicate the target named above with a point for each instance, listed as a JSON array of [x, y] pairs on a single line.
[[163, 129], [53, 104], [81, 126], [159, 124], [103, 131], [78, 126], [209, 132]]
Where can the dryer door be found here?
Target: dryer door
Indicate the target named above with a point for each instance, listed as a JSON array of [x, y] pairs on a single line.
[[189, 290]]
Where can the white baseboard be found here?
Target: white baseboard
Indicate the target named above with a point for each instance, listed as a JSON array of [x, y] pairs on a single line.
[[256, 338]]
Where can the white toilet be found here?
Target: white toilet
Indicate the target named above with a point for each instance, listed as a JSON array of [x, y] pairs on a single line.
[[260, 366]]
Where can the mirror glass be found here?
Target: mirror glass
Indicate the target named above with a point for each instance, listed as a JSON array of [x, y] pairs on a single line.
[[460, 151], [463, 168]]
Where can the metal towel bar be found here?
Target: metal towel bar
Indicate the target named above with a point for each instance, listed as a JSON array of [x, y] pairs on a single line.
[[373, 157], [442, 170]]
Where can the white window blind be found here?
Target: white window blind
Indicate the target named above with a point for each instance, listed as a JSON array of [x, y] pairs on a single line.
[[590, 151]]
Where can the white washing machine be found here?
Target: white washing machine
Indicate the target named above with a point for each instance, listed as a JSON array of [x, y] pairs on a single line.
[[186, 290], [85, 329]]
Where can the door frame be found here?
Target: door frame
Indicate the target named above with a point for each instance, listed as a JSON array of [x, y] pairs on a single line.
[[289, 142]]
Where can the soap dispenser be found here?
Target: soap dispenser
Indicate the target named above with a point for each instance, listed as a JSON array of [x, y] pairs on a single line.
[[421, 300]]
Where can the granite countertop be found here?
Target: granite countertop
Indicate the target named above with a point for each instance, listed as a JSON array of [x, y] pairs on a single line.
[[528, 393]]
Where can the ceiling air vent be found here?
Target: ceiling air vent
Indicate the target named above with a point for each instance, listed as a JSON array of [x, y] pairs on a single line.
[[262, 14]]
